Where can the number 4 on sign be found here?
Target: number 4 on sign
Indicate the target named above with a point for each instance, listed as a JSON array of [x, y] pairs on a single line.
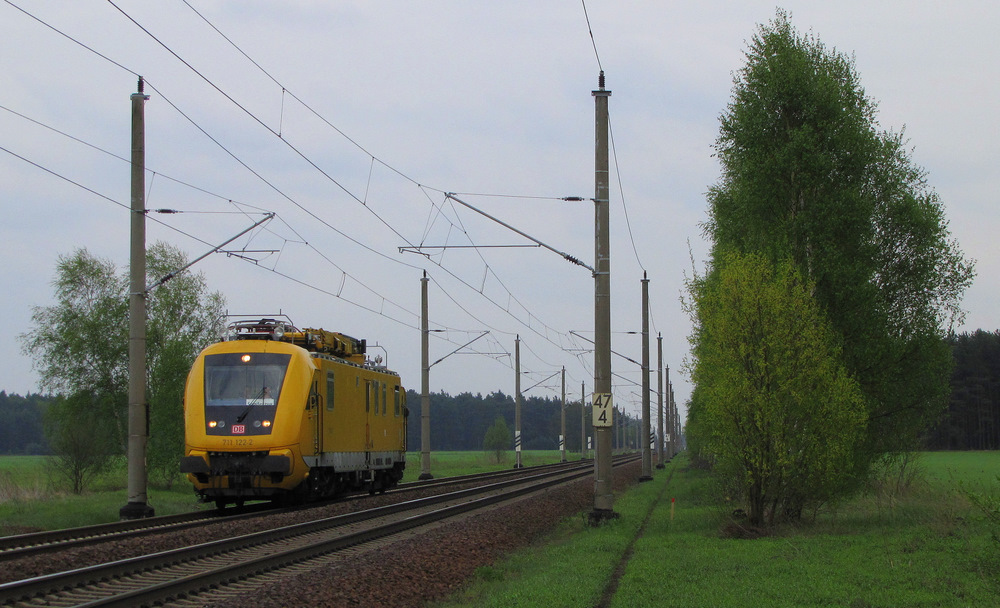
[[603, 409]]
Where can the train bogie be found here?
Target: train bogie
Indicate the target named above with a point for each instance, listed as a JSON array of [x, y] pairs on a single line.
[[279, 414]]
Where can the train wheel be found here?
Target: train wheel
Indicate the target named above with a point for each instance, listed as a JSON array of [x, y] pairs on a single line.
[[220, 504]]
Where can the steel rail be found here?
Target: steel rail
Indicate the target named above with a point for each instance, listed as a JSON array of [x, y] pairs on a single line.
[[187, 586], [36, 543], [54, 583]]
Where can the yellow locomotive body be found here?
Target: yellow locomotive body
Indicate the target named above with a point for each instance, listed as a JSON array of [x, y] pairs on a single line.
[[278, 413]]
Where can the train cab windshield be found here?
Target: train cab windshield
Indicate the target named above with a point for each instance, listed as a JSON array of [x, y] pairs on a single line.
[[242, 391]]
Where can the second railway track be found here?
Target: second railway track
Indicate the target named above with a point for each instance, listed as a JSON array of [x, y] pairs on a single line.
[[176, 574], [37, 543]]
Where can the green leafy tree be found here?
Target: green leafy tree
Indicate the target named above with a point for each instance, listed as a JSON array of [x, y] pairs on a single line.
[[82, 445], [778, 414], [79, 345], [807, 175], [497, 440], [184, 316]]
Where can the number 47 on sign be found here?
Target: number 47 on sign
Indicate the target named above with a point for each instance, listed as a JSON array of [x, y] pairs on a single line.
[[603, 409]]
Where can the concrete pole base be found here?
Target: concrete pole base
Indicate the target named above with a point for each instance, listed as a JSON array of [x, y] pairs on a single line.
[[645, 478], [425, 477], [599, 516], [135, 510]]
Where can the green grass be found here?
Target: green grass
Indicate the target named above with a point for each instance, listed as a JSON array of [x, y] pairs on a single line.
[[925, 547], [572, 567], [969, 468], [452, 464], [33, 498], [70, 511]]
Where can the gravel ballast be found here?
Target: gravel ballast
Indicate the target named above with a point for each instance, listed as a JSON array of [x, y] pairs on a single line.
[[435, 564], [420, 567]]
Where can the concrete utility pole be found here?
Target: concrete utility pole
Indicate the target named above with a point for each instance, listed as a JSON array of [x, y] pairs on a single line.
[[670, 414], [621, 429], [603, 412], [672, 435], [138, 416], [517, 402], [677, 423], [583, 421], [614, 434], [425, 381], [562, 418], [675, 416], [659, 401], [644, 437]]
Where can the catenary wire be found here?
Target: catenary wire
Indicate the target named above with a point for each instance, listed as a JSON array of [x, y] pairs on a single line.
[[241, 211], [356, 144], [259, 121], [528, 322], [301, 154], [590, 30]]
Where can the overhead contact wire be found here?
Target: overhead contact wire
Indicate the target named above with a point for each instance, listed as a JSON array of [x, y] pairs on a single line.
[[292, 147], [348, 138], [356, 144], [527, 322], [590, 30]]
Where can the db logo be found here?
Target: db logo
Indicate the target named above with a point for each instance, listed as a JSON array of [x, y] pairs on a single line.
[[239, 429]]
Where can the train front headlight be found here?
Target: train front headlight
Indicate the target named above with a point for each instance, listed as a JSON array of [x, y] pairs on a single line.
[[266, 423], [212, 424]]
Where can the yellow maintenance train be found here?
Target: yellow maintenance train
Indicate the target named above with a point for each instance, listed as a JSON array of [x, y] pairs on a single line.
[[277, 413]]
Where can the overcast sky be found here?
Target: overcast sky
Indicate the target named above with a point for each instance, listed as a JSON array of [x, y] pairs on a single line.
[[359, 116]]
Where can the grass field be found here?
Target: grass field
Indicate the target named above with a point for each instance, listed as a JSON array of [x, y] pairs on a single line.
[[451, 464], [925, 546], [32, 498], [922, 546]]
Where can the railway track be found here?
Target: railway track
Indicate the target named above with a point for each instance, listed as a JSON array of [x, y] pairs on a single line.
[[37, 543], [173, 575]]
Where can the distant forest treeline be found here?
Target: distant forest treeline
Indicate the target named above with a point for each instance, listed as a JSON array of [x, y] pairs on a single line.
[[460, 422], [21, 431], [971, 422]]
